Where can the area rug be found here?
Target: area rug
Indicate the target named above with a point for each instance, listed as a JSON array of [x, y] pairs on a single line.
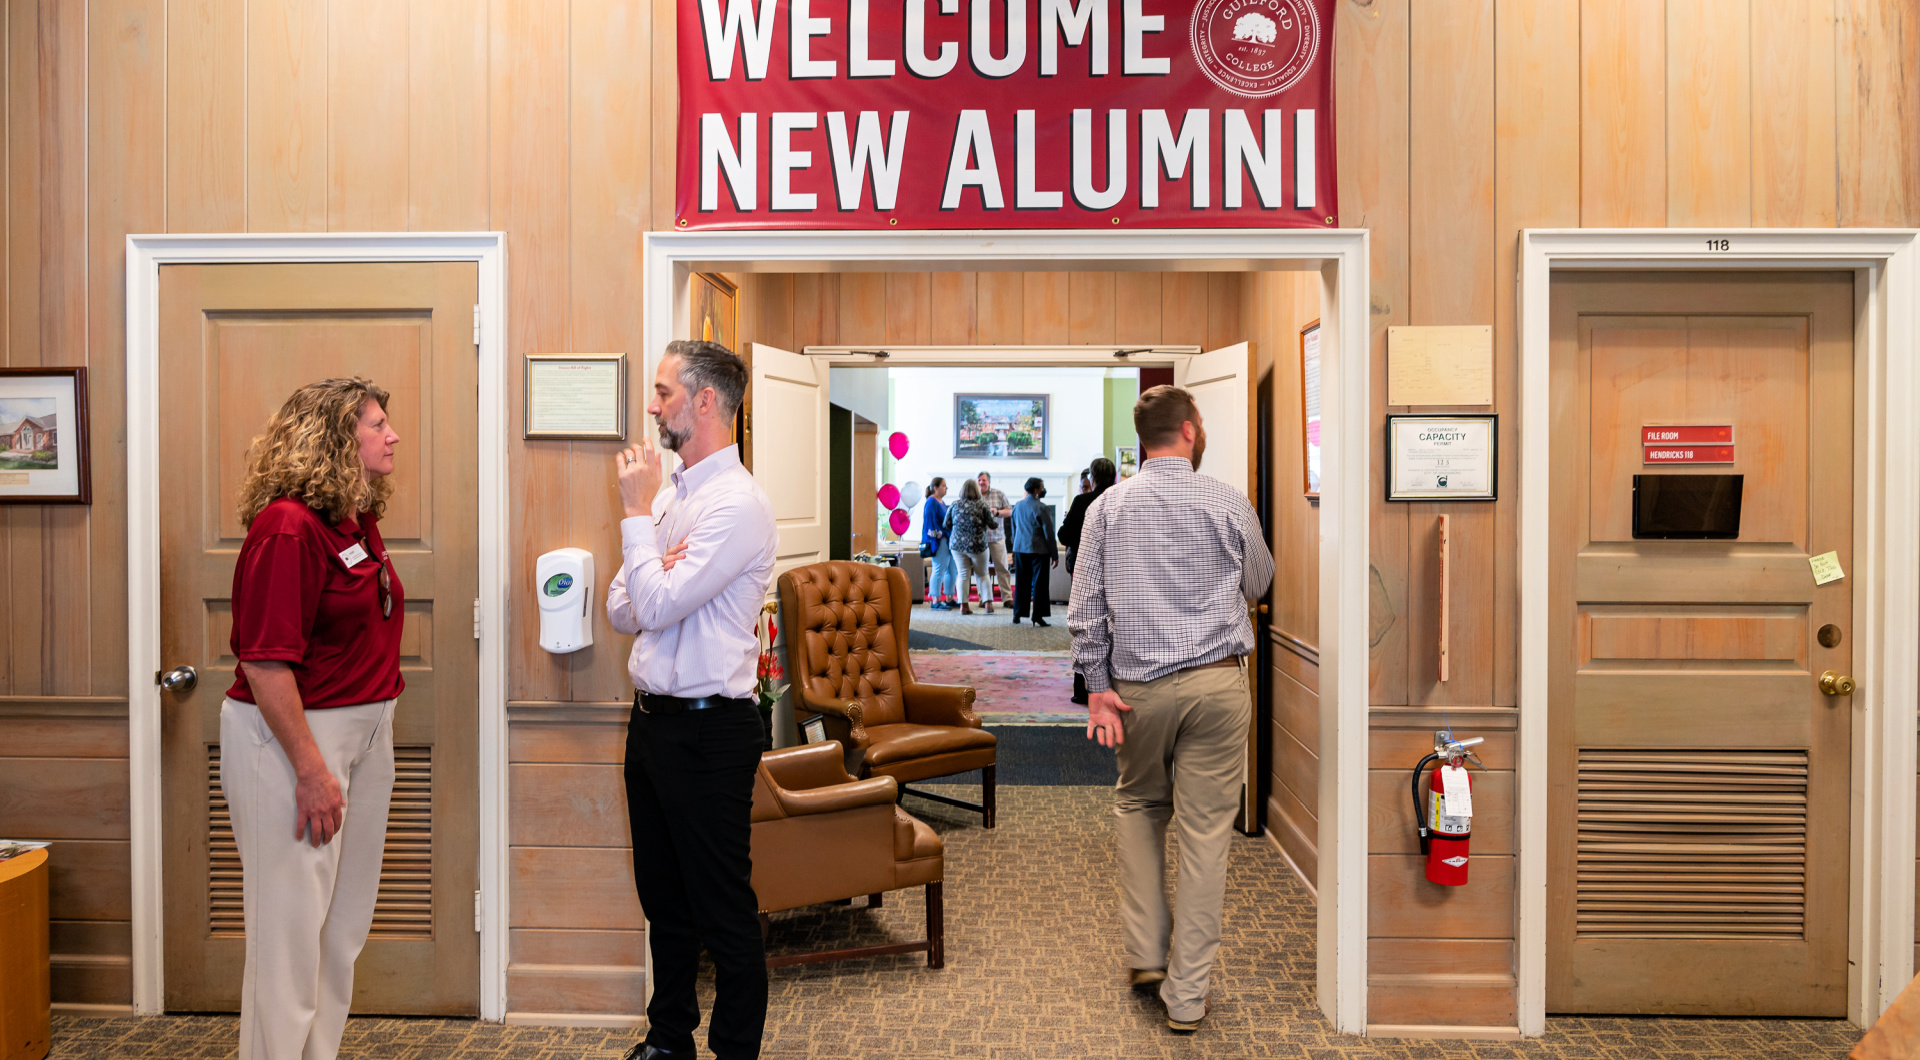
[[1010, 687]]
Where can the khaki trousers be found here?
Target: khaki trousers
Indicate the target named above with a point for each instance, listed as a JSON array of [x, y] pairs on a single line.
[[1002, 572], [1184, 758], [308, 909]]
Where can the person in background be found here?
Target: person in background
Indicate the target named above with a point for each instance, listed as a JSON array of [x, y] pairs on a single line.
[[695, 560], [1034, 553], [1086, 481], [1101, 472], [1169, 561], [933, 540], [967, 523], [997, 504], [306, 731]]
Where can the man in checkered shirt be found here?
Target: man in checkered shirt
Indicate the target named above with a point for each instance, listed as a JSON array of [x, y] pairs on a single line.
[[1168, 562]]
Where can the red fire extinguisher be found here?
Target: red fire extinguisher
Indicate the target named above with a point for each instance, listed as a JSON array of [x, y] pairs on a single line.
[[1445, 820]]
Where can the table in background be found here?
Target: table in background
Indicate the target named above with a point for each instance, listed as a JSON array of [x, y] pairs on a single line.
[[26, 1012]]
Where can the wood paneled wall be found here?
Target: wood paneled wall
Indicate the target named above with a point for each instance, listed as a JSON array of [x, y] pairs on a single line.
[[1459, 124], [796, 310]]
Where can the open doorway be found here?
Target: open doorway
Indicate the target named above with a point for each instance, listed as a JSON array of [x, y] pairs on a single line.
[[916, 438], [879, 292]]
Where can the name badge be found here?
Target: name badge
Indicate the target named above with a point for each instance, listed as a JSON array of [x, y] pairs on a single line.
[[352, 554]]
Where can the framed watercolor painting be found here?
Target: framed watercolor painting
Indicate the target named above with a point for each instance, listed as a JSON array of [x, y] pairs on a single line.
[[43, 436], [1005, 426]]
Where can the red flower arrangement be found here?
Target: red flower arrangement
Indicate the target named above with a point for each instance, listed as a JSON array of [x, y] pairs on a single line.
[[768, 670]]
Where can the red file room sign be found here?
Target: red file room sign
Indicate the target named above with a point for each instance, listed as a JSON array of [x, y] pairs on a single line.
[[1687, 444], [1006, 114]]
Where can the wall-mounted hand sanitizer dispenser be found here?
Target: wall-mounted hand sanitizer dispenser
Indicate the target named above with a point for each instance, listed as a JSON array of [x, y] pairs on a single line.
[[563, 579]]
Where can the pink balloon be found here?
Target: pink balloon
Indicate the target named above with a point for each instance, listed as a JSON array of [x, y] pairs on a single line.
[[899, 520], [889, 496], [897, 445]]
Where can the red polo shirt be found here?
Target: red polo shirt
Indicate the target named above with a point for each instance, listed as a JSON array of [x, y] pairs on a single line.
[[295, 600]]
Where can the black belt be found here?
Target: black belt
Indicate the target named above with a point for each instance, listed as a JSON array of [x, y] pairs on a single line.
[[648, 703]]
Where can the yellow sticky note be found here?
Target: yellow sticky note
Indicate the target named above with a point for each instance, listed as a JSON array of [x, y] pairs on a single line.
[[1826, 568]]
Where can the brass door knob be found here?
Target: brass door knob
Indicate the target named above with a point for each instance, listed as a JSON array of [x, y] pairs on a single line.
[[1835, 683]]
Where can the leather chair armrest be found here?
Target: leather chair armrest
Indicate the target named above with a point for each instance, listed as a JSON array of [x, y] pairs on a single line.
[[814, 765], [843, 719], [874, 791], [940, 705]]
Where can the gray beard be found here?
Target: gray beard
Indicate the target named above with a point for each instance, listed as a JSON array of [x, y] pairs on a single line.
[[673, 436]]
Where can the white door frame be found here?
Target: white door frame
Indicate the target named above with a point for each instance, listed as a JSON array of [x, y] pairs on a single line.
[[1886, 574], [1340, 256], [145, 256]]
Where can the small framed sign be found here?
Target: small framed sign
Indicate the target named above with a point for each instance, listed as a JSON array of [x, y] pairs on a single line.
[[1442, 458], [576, 396], [43, 436], [814, 729]]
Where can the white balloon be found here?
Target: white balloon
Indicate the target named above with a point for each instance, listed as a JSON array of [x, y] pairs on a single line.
[[911, 492]]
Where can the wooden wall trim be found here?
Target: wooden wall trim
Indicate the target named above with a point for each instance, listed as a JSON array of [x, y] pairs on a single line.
[[1426, 717], [1294, 644], [63, 707], [555, 711]]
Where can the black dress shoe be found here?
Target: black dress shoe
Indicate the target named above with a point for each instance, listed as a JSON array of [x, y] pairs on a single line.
[[1016, 620], [1042, 623], [646, 1051]]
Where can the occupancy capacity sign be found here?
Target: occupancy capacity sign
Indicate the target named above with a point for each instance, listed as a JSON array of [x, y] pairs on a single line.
[[1006, 114]]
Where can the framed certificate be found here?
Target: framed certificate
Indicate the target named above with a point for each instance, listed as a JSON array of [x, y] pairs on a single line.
[[576, 396], [1442, 458]]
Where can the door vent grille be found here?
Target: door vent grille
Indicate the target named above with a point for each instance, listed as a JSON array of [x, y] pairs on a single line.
[[1692, 844], [405, 907]]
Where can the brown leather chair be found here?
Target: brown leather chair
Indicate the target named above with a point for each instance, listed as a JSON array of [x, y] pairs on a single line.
[[821, 836], [846, 632]]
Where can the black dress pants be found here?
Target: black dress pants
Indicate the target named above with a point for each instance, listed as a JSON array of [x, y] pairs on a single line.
[[1030, 586], [690, 802]]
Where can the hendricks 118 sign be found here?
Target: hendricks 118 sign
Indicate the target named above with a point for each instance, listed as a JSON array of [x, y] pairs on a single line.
[[1006, 114]]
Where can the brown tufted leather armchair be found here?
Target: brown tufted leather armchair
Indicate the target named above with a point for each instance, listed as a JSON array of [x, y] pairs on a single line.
[[846, 629], [820, 836]]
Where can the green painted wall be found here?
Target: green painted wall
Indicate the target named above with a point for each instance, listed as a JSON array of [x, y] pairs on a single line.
[[1117, 429]]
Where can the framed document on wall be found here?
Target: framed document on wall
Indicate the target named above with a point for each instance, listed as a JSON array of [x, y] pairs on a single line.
[[1442, 458], [576, 396], [1310, 409]]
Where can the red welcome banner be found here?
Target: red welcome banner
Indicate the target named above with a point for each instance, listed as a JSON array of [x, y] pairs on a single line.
[[1006, 114]]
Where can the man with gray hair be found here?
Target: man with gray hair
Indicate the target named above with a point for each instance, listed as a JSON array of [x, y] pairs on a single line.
[[695, 562]]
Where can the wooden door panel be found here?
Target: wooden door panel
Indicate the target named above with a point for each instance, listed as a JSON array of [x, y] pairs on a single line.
[[259, 358], [1699, 793], [235, 341], [1746, 371], [1722, 638]]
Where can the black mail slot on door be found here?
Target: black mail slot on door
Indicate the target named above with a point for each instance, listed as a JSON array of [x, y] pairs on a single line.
[[1687, 507]]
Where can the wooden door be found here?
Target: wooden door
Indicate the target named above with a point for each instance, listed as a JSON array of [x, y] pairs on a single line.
[[790, 442], [235, 341], [1222, 384], [1698, 800]]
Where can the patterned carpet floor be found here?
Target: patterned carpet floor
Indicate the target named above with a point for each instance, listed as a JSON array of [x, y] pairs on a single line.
[[1009, 688], [980, 631], [1033, 971]]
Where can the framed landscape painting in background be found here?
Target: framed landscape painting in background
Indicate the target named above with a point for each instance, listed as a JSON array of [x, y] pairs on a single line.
[[715, 315], [1011, 426], [43, 436]]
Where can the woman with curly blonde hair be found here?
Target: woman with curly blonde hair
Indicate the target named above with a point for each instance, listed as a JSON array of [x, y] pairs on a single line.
[[306, 732]]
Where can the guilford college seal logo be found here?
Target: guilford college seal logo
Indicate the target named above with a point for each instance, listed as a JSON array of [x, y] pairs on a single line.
[[1255, 48]]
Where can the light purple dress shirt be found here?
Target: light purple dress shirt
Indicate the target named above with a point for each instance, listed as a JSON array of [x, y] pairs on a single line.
[[698, 623]]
